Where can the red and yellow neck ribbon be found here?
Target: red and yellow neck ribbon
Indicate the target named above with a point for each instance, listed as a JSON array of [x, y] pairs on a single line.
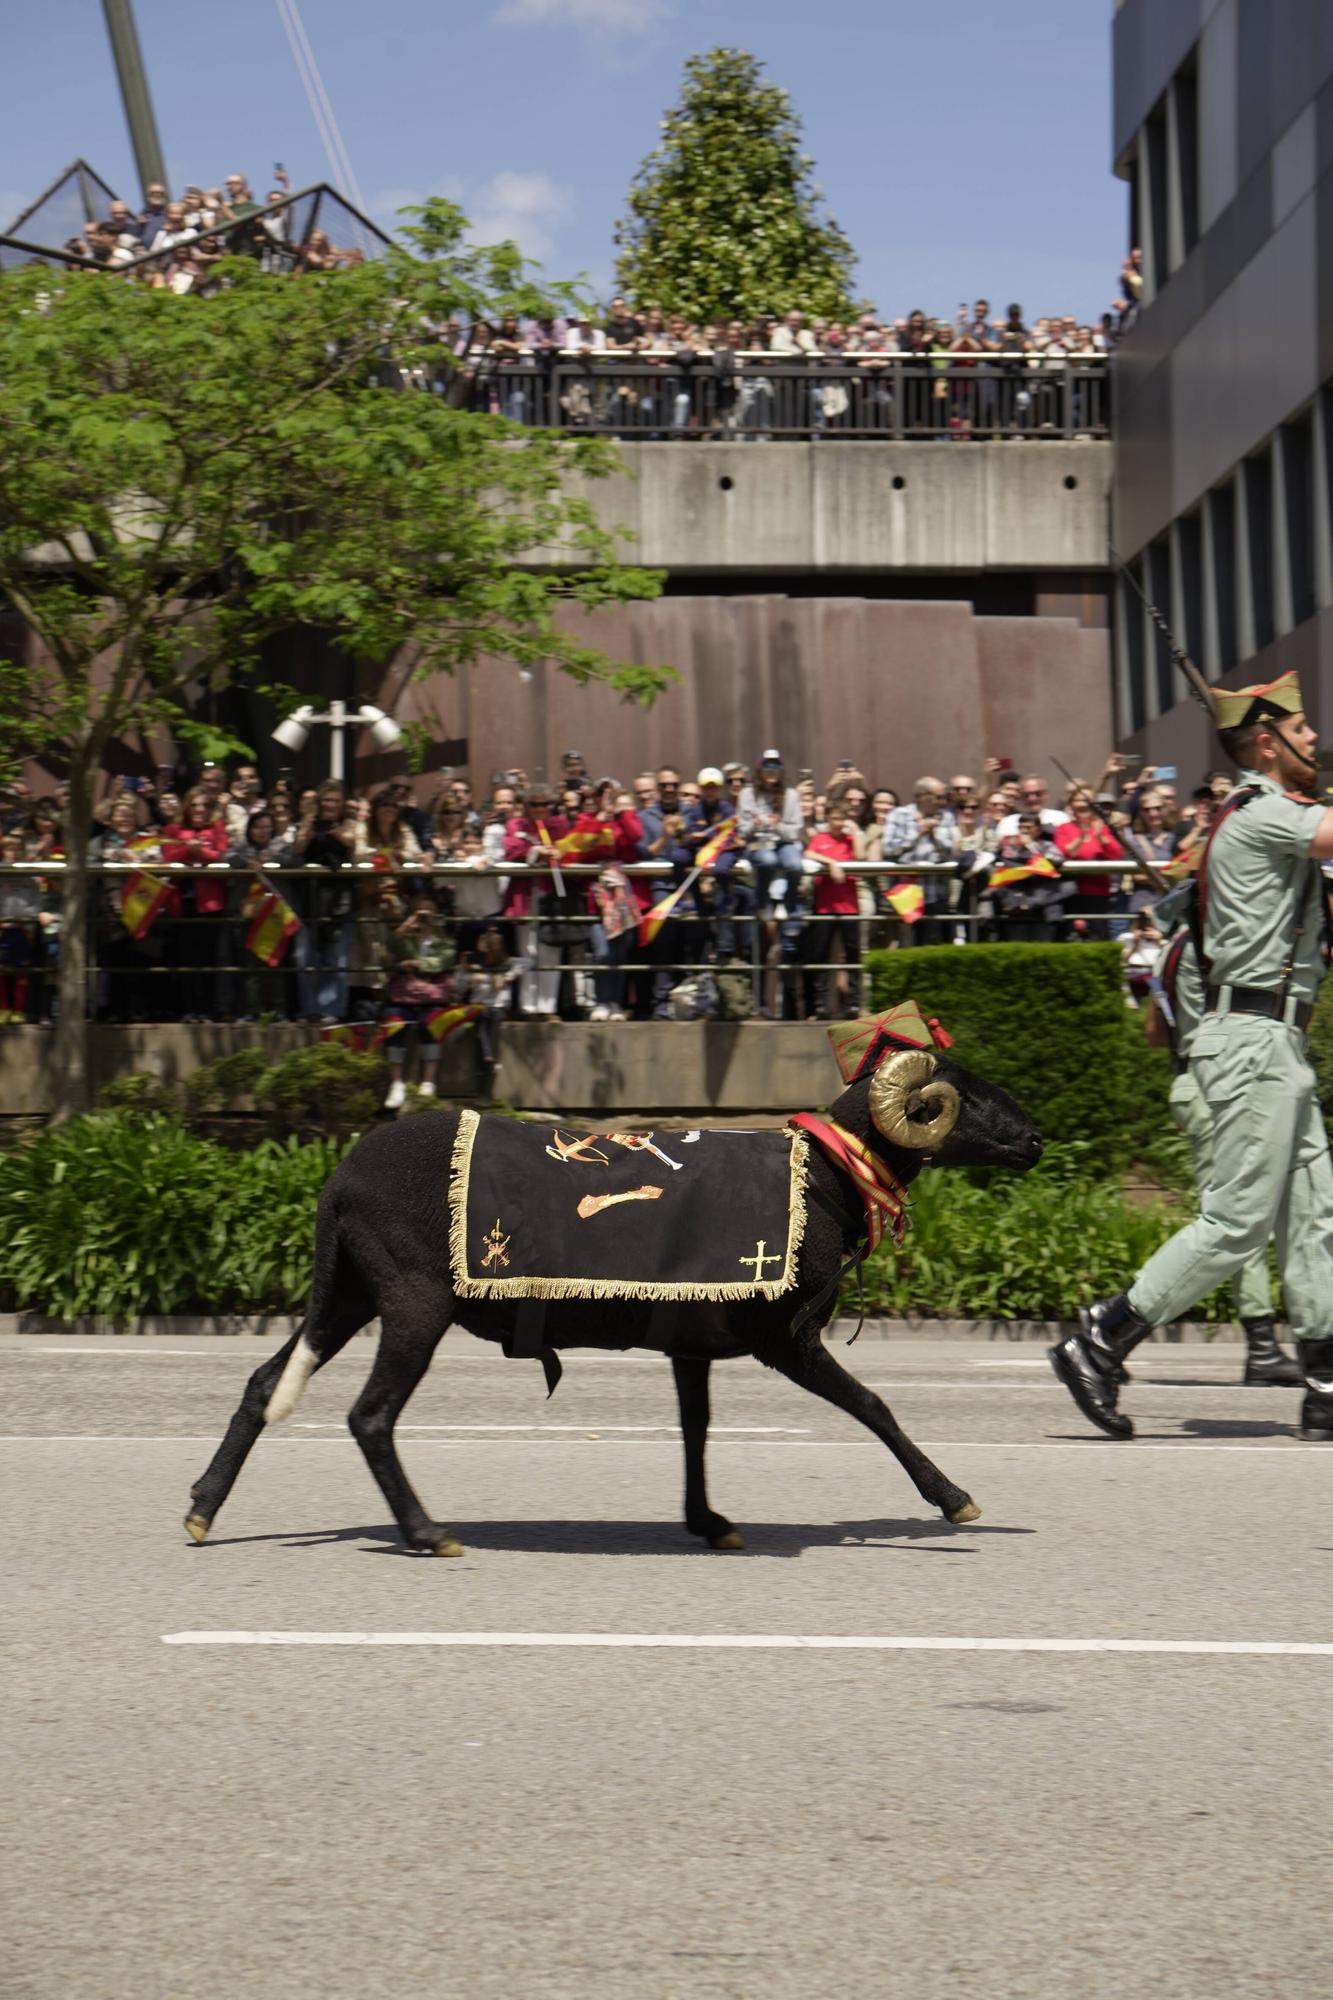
[[883, 1195]]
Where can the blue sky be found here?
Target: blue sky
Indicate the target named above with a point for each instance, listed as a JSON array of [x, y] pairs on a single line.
[[963, 147]]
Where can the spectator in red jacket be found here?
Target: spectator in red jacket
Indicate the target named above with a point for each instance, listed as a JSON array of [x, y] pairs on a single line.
[[1087, 838], [196, 934], [833, 931]]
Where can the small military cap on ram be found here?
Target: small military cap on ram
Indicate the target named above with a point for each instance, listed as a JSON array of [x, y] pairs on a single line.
[[1235, 708], [860, 1046]]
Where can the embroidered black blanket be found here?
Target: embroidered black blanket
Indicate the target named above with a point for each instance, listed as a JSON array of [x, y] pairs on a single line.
[[542, 1211]]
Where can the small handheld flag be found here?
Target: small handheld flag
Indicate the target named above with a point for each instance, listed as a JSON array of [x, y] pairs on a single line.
[[587, 842], [272, 926], [717, 843], [445, 1022], [141, 902], [1021, 871], [908, 899]]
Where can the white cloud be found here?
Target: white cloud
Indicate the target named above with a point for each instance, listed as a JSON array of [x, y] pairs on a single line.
[[617, 17], [527, 207]]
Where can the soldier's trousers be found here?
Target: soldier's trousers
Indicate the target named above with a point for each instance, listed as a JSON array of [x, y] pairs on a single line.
[[1250, 1288], [1271, 1177]]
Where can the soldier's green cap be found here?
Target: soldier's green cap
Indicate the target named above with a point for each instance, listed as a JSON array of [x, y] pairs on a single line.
[[1236, 708]]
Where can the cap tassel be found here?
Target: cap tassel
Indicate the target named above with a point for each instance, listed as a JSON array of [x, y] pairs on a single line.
[[942, 1038]]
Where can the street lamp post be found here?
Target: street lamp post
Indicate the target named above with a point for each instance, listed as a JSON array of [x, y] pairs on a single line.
[[294, 731]]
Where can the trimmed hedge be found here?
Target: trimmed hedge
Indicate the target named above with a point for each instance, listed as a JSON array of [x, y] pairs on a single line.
[[1022, 1246], [121, 1213], [1049, 1023]]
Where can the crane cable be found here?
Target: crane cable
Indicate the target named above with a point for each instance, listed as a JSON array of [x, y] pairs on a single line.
[[318, 99]]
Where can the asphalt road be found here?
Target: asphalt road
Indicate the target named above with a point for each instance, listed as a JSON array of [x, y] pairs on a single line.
[[593, 1819]]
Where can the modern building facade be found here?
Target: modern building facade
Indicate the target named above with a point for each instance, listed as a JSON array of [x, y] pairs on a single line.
[[1223, 130]]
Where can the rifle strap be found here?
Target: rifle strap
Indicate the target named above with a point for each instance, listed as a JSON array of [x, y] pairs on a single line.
[[1198, 908]]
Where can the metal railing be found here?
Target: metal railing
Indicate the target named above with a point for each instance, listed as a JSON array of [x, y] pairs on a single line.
[[191, 965], [756, 397], [283, 235]]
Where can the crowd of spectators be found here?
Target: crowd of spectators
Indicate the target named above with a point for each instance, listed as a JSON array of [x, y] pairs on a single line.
[[642, 369], [175, 245], [404, 907], [674, 377]]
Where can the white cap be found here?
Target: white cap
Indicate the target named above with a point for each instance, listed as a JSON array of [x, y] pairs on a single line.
[[710, 775]]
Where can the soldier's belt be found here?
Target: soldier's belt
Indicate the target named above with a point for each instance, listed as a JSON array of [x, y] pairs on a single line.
[[1258, 1000]]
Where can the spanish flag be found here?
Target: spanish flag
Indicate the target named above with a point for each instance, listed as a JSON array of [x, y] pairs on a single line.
[[272, 926], [589, 840], [141, 902], [445, 1022], [651, 922], [908, 899], [717, 843], [1021, 871], [362, 1037]]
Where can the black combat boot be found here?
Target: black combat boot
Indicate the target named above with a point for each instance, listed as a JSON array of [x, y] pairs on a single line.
[[1090, 1363], [1317, 1403], [1265, 1361]]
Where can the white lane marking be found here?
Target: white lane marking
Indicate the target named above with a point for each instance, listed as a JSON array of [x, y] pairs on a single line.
[[760, 1642], [581, 1430], [670, 1435], [260, 1350]]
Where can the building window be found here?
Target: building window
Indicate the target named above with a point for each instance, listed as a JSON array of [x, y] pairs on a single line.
[[1131, 629], [1163, 691], [1259, 534], [1222, 507], [1299, 509], [1155, 249], [1189, 552], [1186, 89]]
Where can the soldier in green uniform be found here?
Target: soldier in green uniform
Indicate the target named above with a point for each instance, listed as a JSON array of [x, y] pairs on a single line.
[[1176, 1011], [1262, 921]]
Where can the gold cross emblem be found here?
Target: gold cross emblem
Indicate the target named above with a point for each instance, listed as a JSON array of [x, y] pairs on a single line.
[[759, 1260], [497, 1243]]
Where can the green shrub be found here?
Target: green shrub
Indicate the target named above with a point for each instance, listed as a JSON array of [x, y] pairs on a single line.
[[144, 1095], [1049, 1023], [120, 1214], [220, 1085], [1021, 1246], [320, 1087]]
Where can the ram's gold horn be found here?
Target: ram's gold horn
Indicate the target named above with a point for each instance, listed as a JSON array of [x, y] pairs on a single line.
[[900, 1090]]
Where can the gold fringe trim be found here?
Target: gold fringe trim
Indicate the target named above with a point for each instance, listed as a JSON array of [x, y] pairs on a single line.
[[460, 1167], [613, 1288]]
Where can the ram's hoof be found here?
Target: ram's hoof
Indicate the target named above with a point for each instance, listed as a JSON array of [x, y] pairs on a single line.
[[448, 1547], [733, 1539], [197, 1527], [969, 1511]]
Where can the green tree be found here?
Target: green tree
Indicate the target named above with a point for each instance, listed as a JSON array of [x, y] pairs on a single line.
[[724, 220], [182, 478]]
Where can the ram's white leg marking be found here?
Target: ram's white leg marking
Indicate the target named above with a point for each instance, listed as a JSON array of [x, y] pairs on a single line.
[[300, 1367]]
